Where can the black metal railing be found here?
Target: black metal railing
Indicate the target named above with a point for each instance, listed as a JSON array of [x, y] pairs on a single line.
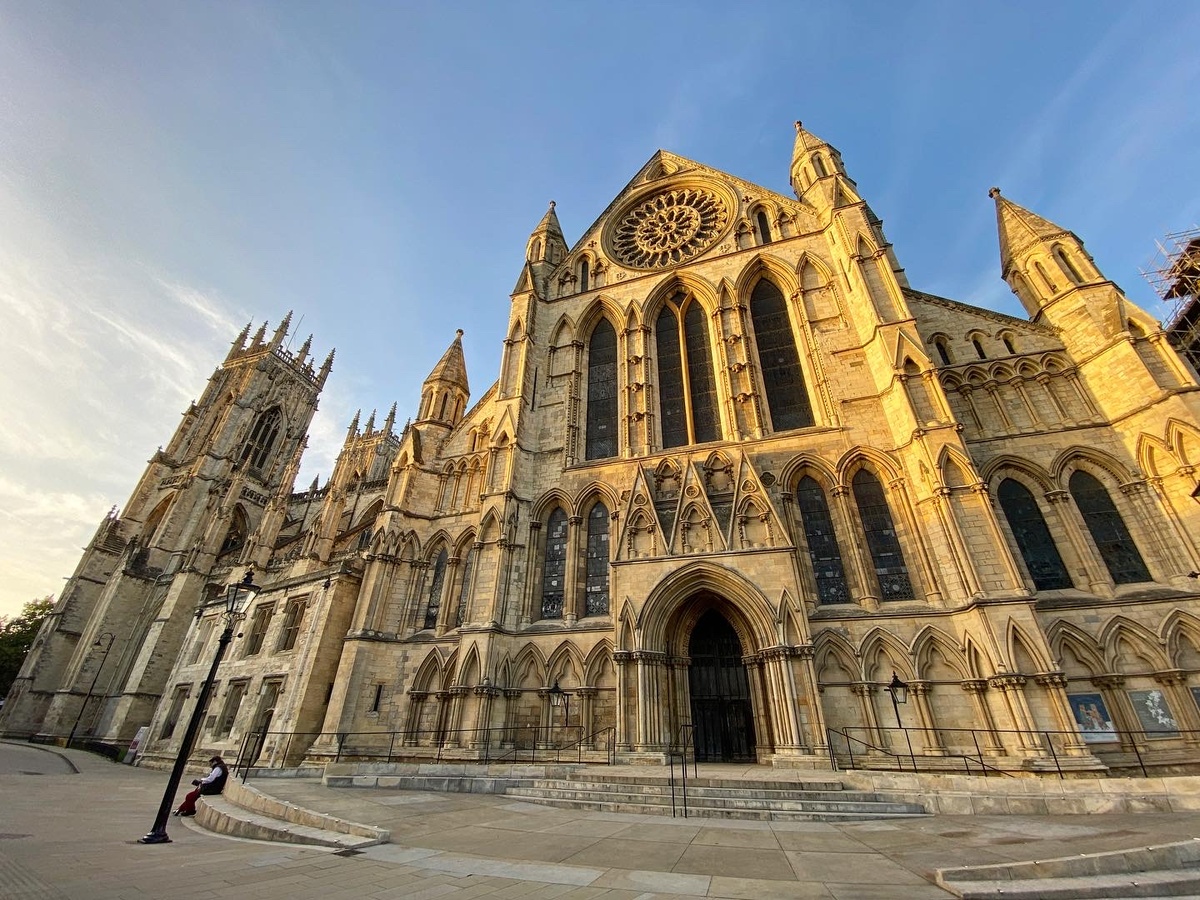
[[973, 747], [679, 747], [515, 744]]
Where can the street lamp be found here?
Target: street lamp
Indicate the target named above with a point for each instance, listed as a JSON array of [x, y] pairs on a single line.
[[237, 598], [559, 697], [95, 678], [899, 691]]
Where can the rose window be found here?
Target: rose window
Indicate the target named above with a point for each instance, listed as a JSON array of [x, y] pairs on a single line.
[[669, 228]]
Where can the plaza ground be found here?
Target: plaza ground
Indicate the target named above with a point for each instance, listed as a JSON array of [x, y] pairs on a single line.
[[69, 822]]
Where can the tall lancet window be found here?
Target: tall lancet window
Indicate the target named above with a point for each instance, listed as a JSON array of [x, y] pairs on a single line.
[[596, 585], [823, 550], [262, 439], [464, 589], [777, 357], [886, 556], [434, 605], [687, 391], [1033, 537], [1104, 522], [554, 567], [602, 393]]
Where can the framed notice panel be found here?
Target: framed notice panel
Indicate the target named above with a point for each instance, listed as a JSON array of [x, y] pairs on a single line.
[[1091, 715], [1153, 714]]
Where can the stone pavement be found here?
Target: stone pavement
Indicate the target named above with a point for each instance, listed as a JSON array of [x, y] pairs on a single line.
[[65, 836]]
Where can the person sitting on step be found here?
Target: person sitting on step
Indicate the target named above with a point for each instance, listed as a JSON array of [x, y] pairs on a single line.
[[212, 783]]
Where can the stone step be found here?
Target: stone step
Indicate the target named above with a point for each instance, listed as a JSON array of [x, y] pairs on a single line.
[[216, 814], [709, 781], [830, 802], [771, 790], [1165, 870], [1162, 883], [721, 812]]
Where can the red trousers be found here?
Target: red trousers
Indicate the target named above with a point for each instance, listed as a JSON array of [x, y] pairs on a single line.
[[188, 806]]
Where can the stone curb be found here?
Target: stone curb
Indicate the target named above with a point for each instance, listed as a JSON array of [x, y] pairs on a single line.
[[45, 749]]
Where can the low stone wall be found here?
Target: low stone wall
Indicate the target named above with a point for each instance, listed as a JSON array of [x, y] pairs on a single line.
[[961, 795], [463, 778], [248, 798]]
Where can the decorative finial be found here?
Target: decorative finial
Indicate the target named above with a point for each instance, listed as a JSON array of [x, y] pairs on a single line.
[[799, 125], [459, 332], [994, 193], [552, 204]]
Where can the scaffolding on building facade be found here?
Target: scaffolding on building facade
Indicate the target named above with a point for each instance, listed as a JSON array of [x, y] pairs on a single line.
[[1174, 273]]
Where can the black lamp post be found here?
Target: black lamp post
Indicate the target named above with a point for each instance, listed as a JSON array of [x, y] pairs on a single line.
[[237, 598], [95, 678], [899, 691], [559, 697]]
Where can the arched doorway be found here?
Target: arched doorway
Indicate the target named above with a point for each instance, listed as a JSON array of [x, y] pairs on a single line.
[[722, 713]]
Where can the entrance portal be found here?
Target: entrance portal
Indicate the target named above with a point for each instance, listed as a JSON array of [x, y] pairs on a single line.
[[721, 708]]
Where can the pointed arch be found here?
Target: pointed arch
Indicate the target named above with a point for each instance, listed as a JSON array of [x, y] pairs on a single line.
[[880, 645], [1121, 634], [603, 394], [470, 672], [1018, 638], [688, 412], [931, 639], [979, 662], [1180, 634], [565, 665], [779, 365], [1069, 641], [528, 668], [833, 653], [429, 673]]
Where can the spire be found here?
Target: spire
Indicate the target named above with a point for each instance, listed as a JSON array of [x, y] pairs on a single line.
[[452, 367], [326, 367], [546, 243], [817, 164], [390, 421], [370, 423], [303, 352], [281, 331], [352, 431], [258, 335], [316, 483], [239, 342], [1019, 229]]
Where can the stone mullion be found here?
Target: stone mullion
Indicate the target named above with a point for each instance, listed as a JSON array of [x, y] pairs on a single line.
[[534, 554], [1081, 547], [482, 736], [587, 712], [621, 659], [919, 692], [859, 579], [1027, 401], [1174, 685], [761, 698], [1124, 716], [992, 744], [865, 691], [412, 722], [811, 344], [639, 416], [445, 613], [967, 393], [574, 402], [509, 737], [1055, 686], [572, 589], [1012, 689], [914, 537]]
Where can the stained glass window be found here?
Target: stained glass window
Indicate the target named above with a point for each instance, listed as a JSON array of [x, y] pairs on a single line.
[[554, 568], [434, 606], [596, 582], [882, 542], [602, 393], [777, 357], [702, 384], [672, 412], [1116, 546], [1033, 536], [686, 415], [823, 550]]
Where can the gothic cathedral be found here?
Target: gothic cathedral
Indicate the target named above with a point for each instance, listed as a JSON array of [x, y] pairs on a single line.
[[735, 482]]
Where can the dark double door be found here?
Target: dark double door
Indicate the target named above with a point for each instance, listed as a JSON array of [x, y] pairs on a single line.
[[722, 713]]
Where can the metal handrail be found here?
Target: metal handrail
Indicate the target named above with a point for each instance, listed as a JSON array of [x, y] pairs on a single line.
[[966, 758], [671, 751]]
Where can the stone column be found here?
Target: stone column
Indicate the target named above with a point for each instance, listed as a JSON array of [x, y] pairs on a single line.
[[451, 734], [509, 738], [416, 704], [865, 691], [932, 740], [1174, 687], [482, 736], [1055, 685], [572, 589], [587, 703], [1124, 718], [992, 745], [621, 660], [1012, 689]]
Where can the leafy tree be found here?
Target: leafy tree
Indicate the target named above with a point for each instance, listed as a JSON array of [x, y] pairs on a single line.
[[16, 637]]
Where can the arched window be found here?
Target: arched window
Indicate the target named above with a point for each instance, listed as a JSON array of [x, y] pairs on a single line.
[[535, 252], [434, 606], [442, 408], [601, 441], [943, 351], [1050, 285], [464, 589], [782, 376], [596, 583], [823, 550], [764, 227], [819, 165], [978, 348], [235, 537], [1008, 343], [1033, 536], [1068, 268], [262, 439], [886, 555], [687, 416], [584, 274], [1104, 522], [554, 567]]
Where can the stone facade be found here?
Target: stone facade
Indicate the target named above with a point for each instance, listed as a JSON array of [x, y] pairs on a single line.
[[735, 474]]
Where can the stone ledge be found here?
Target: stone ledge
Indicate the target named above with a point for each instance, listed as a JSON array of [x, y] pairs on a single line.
[[255, 802]]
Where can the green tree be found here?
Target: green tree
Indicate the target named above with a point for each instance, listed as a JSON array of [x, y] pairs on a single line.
[[16, 637]]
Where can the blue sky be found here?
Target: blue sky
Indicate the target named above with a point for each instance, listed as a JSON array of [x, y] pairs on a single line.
[[169, 171]]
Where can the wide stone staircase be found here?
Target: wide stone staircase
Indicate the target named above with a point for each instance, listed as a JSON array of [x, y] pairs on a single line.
[[709, 796]]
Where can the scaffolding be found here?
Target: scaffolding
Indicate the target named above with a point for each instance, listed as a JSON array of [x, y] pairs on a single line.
[[1174, 273]]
